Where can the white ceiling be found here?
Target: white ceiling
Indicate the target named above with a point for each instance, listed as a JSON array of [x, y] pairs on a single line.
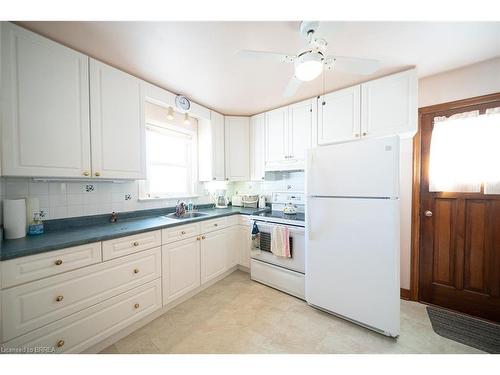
[[198, 59]]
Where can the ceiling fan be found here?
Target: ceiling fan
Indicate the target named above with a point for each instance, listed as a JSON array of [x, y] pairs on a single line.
[[311, 62]]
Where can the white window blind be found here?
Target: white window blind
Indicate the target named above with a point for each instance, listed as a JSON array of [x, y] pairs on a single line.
[[465, 153]]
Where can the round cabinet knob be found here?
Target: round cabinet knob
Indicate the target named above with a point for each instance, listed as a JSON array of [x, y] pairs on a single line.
[[364, 134], [198, 238], [356, 135], [97, 174], [58, 262], [136, 243], [428, 213], [183, 232], [136, 270], [136, 306], [227, 178], [203, 237], [213, 178], [216, 225], [86, 173], [59, 298], [60, 343]]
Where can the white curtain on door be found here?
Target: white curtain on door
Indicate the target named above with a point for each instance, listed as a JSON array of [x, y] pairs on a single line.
[[465, 152]]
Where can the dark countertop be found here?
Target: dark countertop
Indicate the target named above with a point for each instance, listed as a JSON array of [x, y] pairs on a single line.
[[74, 236]]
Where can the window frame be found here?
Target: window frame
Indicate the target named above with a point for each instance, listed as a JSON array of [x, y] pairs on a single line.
[[144, 193]]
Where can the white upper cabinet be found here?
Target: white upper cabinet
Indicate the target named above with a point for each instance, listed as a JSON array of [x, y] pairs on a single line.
[[45, 105], [237, 148], [276, 126], [288, 136], [339, 116], [117, 123], [389, 105], [211, 157], [299, 130], [257, 144]]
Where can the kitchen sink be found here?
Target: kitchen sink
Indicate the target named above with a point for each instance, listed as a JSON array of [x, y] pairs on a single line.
[[187, 215]]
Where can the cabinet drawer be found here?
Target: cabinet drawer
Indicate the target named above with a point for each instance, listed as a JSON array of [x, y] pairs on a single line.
[[214, 224], [33, 305], [80, 331], [290, 282], [180, 232], [131, 244], [34, 267]]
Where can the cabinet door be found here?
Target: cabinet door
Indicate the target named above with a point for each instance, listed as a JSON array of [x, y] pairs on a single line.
[[389, 105], [233, 247], [244, 242], [117, 123], [237, 148], [257, 144], [299, 130], [218, 153], [213, 255], [339, 116], [276, 136], [45, 105], [180, 268]]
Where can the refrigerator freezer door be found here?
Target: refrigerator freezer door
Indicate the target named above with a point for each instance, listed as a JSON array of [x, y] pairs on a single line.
[[352, 259], [367, 168]]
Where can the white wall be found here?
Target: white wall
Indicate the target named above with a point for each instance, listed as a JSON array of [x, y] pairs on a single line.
[[466, 82]]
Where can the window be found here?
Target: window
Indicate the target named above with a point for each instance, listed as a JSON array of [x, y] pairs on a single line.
[[465, 154], [171, 154]]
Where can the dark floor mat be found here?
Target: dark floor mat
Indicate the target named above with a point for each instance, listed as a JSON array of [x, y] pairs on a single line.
[[465, 329]]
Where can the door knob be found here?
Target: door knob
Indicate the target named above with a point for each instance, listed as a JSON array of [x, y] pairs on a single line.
[[428, 213]]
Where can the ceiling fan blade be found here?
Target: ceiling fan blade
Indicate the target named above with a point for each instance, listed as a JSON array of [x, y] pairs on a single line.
[[292, 87], [265, 55], [354, 64]]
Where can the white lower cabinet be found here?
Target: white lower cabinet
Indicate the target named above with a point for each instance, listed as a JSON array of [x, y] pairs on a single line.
[[244, 244], [180, 268], [80, 331], [232, 249], [213, 255], [33, 305]]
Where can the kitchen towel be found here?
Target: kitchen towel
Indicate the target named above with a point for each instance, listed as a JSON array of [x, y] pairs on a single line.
[[280, 241], [14, 218]]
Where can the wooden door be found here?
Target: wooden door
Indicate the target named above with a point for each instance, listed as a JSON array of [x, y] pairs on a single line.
[[459, 238], [45, 92], [339, 116], [118, 129]]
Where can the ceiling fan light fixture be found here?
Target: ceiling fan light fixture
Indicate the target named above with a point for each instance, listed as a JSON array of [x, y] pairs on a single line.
[[170, 113], [308, 66]]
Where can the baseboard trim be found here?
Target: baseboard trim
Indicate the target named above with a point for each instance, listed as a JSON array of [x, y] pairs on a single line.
[[405, 294], [96, 348]]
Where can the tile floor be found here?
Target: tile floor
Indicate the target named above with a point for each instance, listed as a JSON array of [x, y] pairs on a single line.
[[237, 315]]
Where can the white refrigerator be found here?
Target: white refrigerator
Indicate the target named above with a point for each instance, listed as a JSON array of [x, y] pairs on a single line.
[[352, 232]]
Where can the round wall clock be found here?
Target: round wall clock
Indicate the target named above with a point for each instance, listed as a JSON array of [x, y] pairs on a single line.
[[182, 102]]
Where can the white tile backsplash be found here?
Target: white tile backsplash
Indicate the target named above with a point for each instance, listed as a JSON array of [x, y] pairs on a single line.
[[71, 199]]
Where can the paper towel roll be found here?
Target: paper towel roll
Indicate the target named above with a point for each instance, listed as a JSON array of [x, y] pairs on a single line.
[[14, 218]]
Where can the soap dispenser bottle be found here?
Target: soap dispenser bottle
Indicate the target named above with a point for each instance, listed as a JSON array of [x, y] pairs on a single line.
[[36, 226]]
